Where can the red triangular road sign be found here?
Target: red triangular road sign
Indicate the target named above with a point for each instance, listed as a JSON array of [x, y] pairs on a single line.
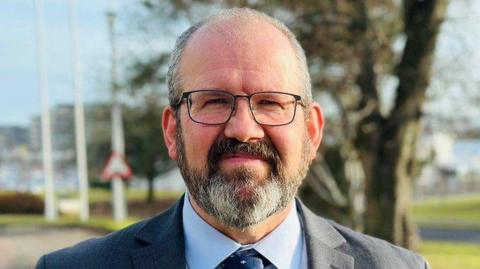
[[116, 166]]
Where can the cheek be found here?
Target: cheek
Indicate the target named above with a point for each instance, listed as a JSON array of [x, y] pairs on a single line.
[[289, 142], [198, 140]]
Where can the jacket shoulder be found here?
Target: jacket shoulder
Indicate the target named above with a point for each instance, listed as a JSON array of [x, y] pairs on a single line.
[[114, 250], [95, 252], [373, 252], [367, 252]]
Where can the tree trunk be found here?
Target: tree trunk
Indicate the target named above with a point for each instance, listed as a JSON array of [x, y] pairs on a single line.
[[390, 161], [150, 191]]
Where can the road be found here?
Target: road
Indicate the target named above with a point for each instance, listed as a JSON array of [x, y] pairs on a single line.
[[466, 236], [20, 247]]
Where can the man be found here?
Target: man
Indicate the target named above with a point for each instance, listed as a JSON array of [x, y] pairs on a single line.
[[243, 129]]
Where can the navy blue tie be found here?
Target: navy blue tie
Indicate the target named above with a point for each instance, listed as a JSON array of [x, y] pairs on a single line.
[[245, 259]]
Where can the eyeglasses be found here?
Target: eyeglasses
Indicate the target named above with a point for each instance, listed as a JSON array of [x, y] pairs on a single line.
[[216, 107]]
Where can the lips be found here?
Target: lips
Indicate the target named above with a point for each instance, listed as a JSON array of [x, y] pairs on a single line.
[[241, 158]]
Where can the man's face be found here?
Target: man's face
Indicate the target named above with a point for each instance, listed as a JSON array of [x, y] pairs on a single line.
[[242, 172]]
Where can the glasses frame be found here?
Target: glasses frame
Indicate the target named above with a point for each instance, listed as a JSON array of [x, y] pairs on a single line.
[[186, 95]]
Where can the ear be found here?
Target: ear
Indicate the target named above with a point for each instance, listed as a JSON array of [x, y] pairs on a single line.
[[169, 126], [315, 128]]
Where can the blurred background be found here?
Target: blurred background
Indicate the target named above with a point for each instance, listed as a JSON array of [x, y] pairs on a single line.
[[83, 89]]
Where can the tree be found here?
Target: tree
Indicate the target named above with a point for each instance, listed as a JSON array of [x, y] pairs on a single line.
[[390, 161], [98, 132], [145, 148]]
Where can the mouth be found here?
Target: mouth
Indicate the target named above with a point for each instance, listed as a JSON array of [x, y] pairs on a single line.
[[244, 156], [230, 155], [242, 159]]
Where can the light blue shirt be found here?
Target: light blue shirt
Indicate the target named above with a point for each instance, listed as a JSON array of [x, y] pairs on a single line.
[[206, 248]]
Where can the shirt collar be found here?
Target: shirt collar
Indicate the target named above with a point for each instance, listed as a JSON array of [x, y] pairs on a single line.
[[205, 247], [283, 246]]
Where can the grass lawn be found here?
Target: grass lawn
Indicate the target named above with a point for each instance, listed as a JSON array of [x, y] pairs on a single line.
[[449, 212], [451, 255], [105, 224], [97, 195], [461, 212]]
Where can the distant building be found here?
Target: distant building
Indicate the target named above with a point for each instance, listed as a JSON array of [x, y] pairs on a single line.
[[13, 136], [62, 129], [452, 165], [35, 134], [15, 158]]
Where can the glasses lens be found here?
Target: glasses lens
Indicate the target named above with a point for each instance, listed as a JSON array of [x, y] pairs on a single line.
[[210, 107], [273, 108]]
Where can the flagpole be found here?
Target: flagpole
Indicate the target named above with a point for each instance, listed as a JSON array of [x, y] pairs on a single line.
[[118, 144], [80, 141], [51, 213]]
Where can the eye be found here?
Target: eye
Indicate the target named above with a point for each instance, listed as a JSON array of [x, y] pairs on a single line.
[[268, 102], [214, 101]]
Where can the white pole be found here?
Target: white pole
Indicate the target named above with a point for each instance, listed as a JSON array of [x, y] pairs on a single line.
[[118, 144], [50, 207], [79, 118]]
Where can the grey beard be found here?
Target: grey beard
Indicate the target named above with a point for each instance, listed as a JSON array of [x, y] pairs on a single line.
[[220, 195]]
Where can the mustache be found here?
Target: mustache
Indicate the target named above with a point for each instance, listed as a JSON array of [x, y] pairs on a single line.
[[262, 149]]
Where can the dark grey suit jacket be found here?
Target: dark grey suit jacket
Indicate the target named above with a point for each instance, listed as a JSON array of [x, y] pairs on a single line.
[[158, 243]]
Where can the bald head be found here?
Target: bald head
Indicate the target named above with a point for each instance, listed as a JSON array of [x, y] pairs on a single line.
[[238, 36], [238, 43]]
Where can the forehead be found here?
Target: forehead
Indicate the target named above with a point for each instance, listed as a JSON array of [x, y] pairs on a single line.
[[243, 53]]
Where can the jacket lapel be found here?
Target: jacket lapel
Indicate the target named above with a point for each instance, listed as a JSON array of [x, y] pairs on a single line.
[[162, 241], [322, 242]]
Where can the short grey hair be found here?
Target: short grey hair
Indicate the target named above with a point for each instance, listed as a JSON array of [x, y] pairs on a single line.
[[173, 75]]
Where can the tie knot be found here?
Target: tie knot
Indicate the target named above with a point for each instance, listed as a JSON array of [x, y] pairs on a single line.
[[245, 259]]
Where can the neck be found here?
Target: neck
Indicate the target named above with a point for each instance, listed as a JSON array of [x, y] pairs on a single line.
[[248, 235]]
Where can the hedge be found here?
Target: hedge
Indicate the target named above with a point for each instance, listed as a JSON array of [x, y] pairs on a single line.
[[20, 203]]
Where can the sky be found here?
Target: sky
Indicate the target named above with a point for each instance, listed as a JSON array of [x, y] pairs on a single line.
[[19, 76], [19, 79]]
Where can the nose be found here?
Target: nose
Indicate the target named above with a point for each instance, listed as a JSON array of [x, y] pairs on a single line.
[[242, 126]]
